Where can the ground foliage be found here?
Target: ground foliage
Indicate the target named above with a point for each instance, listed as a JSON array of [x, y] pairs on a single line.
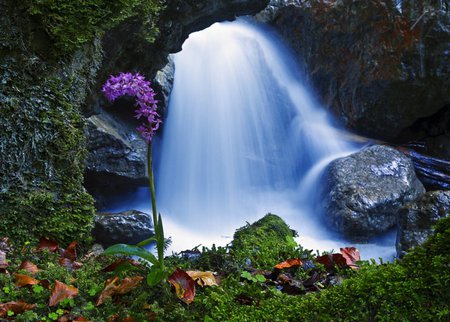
[[45, 282]]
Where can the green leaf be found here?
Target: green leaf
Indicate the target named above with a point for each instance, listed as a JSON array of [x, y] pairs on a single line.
[[247, 275], [155, 276], [131, 250], [160, 238], [260, 278], [146, 241]]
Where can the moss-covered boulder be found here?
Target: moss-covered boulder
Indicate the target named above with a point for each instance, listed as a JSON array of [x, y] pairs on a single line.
[[264, 243]]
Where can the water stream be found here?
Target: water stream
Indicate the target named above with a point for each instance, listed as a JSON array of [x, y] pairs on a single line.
[[243, 137]]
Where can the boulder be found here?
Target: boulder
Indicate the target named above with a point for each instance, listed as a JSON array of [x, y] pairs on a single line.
[[378, 69], [128, 227], [364, 191], [416, 219], [117, 157], [264, 243]]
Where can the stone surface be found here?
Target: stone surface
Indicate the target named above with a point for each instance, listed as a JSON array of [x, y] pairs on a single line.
[[117, 157], [128, 227], [364, 191], [416, 219], [368, 64]]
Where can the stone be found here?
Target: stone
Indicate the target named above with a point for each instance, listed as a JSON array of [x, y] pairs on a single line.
[[117, 158], [363, 192], [416, 219], [377, 83], [127, 227]]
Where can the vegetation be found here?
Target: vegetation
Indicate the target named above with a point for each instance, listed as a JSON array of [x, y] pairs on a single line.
[[413, 289]]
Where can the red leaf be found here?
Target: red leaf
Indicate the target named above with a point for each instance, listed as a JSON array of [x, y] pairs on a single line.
[[111, 288], [16, 307], [80, 319], [117, 263], [25, 280], [45, 243], [29, 267], [61, 292], [69, 264], [3, 262], [184, 285], [71, 251], [351, 255], [292, 262], [332, 260]]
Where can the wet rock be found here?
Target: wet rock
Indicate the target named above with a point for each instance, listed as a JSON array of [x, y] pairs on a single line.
[[364, 191], [416, 219], [129, 227], [377, 69], [117, 157]]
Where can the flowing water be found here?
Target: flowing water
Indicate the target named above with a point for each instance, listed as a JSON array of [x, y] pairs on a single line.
[[243, 137]]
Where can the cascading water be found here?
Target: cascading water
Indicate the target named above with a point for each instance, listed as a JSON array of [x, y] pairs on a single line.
[[242, 137]]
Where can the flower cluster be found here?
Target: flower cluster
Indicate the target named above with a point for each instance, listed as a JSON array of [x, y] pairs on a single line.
[[136, 85]]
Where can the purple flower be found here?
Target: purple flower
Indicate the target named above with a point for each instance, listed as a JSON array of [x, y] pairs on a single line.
[[136, 85]]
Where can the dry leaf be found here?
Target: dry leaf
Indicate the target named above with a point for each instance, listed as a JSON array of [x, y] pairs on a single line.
[[351, 255], [81, 319], [24, 280], [71, 251], [29, 267], [203, 278], [45, 243], [17, 307], [184, 285], [292, 262], [3, 262], [61, 292], [332, 260], [111, 288]]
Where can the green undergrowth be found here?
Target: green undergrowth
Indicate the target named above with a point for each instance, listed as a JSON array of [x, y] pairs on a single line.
[[413, 289]]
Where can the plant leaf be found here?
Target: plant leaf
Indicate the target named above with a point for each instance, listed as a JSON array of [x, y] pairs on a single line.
[[17, 307], [203, 278], [351, 255], [119, 263], [131, 250], [29, 267], [184, 285], [61, 292], [111, 288], [160, 238], [155, 276], [45, 243], [332, 260], [291, 262], [145, 242]]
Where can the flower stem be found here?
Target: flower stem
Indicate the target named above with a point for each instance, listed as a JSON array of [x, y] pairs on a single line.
[[153, 195]]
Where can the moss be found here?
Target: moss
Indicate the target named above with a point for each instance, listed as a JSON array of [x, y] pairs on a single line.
[[265, 242], [61, 19]]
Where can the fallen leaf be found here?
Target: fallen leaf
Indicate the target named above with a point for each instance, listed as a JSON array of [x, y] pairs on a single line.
[[351, 255], [45, 243], [184, 285], [61, 292], [3, 262], [111, 288], [71, 251], [203, 278], [332, 260], [80, 319], [128, 319], [119, 262], [29, 267], [24, 280], [292, 262], [69, 264], [17, 307]]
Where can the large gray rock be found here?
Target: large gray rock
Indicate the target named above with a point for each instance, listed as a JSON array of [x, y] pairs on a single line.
[[416, 219], [129, 227], [364, 191], [117, 157]]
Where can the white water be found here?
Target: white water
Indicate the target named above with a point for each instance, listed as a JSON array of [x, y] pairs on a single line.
[[243, 137]]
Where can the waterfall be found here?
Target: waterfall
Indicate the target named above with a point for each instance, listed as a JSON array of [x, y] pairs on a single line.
[[243, 136]]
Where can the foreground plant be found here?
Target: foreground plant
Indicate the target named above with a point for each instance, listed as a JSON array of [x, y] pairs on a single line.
[[127, 84]]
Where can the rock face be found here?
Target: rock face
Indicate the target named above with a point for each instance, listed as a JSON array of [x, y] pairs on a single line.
[[364, 191], [377, 69], [128, 227], [416, 219], [117, 156]]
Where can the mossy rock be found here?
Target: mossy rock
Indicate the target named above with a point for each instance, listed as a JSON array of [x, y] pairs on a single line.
[[264, 243]]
